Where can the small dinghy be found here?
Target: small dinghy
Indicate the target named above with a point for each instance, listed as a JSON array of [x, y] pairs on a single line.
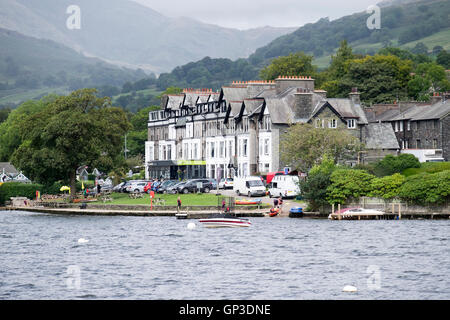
[[224, 220], [248, 202], [274, 212]]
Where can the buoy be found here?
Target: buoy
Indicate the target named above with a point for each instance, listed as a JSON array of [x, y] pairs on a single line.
[[191, 226], [349, 289], [83, 240]]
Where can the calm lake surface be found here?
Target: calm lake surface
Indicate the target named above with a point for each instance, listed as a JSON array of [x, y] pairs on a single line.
[[276, 258]]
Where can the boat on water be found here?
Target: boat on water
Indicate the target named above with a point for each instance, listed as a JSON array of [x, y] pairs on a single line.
[[221, 220], [274, 212], [248, 202], [354, 213]]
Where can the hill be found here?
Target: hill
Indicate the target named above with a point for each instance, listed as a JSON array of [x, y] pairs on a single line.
[[126, 33], [402, 25], [31, 68]]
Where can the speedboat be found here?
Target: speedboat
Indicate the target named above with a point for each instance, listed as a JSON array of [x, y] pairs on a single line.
[[349, 213], [224, 220]]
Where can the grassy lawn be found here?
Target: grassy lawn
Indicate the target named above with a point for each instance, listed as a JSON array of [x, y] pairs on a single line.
[[203, 199]]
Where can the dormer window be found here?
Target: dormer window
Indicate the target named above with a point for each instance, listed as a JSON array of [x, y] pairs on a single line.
[[351, 123], [332, 124]]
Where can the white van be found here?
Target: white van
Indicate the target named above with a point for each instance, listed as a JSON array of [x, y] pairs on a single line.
[[284, 186], [249, 186]]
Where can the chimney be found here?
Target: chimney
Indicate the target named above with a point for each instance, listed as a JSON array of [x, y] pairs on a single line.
[[436, 98], [355, 96], [303, 104]]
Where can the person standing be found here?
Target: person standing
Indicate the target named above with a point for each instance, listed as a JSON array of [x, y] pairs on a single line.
[[275, 203], [178, 204]]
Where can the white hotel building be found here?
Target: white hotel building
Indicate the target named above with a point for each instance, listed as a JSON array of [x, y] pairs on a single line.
[[236, 131]]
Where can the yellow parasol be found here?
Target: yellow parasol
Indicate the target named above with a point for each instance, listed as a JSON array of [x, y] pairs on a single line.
[[65, 188]]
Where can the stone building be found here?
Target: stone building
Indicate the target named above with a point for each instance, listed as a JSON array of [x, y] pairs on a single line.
[[237, 131], [420, 126]]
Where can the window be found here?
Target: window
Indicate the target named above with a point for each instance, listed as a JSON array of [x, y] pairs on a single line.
[[408, 125], [396, 126], [318, 123], [332, 124], [169, 152], [230, 149], [266, 146], [435, 143], [195, 151], [418, 144], [222, 149], [244, 147], [351, 123]]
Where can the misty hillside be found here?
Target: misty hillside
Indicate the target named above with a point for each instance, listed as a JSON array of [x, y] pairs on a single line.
[[401, 26], [35, 67], [127, 33]]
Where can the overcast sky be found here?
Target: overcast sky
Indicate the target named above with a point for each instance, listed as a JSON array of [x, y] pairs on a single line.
[[245, 14]]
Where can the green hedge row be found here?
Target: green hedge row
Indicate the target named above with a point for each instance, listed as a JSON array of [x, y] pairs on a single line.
[[17, 189]]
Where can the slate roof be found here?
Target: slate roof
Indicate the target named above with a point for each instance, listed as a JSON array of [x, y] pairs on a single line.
[[235, 93], [9, 168], [416, 113], [347, 109], [380, 136], [175, 101]]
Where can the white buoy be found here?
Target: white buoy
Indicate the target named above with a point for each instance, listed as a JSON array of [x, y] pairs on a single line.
[[191, 226], [349, 289], [83, 240]]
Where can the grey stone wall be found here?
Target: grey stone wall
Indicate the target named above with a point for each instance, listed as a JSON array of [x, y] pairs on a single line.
[[445, 140]]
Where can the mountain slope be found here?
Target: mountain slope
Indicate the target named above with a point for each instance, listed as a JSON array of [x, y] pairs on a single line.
[[124, 32], [28, 63], [401, 25]]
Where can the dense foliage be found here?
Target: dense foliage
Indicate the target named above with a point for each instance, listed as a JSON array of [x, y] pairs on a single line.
[[427, 188], [78, 129], [395, 164]]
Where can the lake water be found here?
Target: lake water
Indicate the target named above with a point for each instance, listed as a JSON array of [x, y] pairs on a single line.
[[276, 258]]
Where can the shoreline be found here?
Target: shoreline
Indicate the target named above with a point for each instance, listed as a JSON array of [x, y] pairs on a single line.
[[199, 214]]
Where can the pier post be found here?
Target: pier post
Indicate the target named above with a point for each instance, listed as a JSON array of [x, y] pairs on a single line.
[[399, 211]]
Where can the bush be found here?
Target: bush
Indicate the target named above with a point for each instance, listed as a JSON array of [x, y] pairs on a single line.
[[395, 164], [17, 189], [349, 184], [427, 167], [387, 187], [426, 188]]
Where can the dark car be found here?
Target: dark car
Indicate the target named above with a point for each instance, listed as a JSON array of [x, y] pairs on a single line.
[[165, 185], [174, 188], [192, 186]]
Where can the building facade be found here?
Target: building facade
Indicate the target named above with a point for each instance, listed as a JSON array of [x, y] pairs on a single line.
[[237, 130]]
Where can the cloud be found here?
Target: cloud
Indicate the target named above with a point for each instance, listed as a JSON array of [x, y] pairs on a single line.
[[245, 14]]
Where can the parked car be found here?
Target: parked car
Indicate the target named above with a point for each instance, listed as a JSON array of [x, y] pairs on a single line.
[[174, 188], [250, 186], [137, 186], [165, 185], [213, 183], [226, 183], [192, 186], [118, 188]]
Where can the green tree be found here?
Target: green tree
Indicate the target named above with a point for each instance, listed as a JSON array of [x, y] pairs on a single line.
[[395, 164], [443, 58], [431, 189], [10, 138], [315, 143], [314, 187], [387, 187], [78, 129], [349, 184], [295, 64]]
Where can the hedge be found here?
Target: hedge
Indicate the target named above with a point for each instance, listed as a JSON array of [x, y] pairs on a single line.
[[17, 189]]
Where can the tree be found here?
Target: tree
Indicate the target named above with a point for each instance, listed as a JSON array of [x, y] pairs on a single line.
[[292, 65], [349, 184], [74, 130], [387, 187], [304, 146], [395, 164], [314, 187], [443, 58], [426, 188]]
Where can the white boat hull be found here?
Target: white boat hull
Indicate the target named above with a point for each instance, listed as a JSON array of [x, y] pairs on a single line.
[[224, 223]]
